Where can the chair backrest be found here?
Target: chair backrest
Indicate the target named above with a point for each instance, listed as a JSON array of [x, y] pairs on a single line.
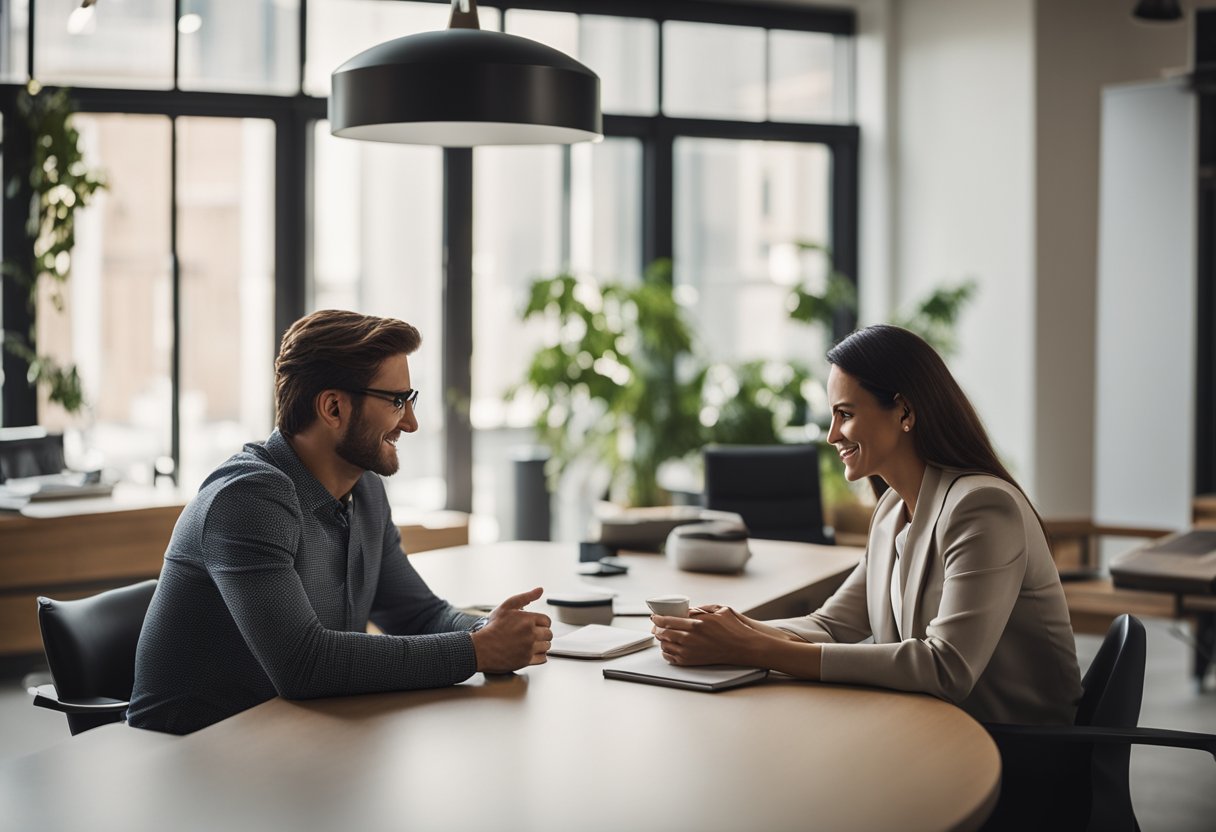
[[775, 488], [1114, 684], [90, 645], [1113, 689]]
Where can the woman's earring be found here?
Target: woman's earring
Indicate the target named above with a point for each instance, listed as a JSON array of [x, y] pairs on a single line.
[[907, 428]]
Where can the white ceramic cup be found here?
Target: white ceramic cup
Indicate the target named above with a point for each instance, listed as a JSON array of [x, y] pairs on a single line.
[[674, 605]]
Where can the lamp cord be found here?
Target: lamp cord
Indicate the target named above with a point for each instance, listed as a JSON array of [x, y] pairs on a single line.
[[464, 15]]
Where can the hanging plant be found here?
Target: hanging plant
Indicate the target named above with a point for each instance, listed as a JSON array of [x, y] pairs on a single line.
[[61, 183]]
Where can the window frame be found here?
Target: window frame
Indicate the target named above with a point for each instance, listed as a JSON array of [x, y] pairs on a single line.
[[294, 117]]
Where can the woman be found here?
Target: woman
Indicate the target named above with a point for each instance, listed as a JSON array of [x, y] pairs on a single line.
[[957, 586]]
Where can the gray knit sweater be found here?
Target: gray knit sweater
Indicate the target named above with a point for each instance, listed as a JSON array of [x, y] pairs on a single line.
[[265, 591]]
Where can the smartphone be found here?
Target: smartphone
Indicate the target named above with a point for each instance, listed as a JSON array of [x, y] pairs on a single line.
[[603, 568]]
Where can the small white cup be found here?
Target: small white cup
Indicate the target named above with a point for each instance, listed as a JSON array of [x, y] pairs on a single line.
[[673, 605]]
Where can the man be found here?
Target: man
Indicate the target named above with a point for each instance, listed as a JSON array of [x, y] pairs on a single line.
[[289, 548]]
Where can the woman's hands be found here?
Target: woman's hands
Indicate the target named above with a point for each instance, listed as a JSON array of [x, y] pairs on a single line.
[[713, 634]]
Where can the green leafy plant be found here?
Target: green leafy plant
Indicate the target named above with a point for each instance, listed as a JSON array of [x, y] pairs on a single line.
[[609, 382], [936, 316], [621, 381], [839, 294], [754, 402], [61, 183]]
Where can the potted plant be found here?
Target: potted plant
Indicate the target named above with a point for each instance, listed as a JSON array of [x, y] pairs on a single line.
[[621, 381], [61, 183]]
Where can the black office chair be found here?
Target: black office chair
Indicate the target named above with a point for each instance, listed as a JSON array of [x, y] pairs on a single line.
[[775, 488], [1076, 777], [90, 646]]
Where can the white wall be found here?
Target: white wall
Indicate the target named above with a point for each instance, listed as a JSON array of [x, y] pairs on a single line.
[[965, 194], [996, 143], [1080, 46], [1145, 414], [875, 102], [980, 147]]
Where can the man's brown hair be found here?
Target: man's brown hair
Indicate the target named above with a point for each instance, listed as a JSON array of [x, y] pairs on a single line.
[[332, 350]]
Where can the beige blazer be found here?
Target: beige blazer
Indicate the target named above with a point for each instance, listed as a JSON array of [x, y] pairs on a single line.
[[985, 624]]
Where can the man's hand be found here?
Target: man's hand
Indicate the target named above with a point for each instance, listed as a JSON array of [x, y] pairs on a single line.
[[513, 638]]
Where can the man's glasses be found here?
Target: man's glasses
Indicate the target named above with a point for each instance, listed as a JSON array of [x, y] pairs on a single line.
[[399, 399]]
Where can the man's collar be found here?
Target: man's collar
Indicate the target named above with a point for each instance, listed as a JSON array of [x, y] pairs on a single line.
[[312, 494]]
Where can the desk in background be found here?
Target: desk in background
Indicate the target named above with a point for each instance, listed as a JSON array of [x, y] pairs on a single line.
[[72, 548], [554, 747], [1183, 565]]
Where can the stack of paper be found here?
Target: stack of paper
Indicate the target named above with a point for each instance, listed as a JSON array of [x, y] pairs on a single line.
[[599, 641], [653, 669], [53, 487]]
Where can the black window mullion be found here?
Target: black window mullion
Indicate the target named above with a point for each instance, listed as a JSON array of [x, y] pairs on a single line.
[[456, 372], [29, 39], [292, 217], [189, 103], [175, 277], [20, 399], [773, 131], [773, 15], [1205, 298], [302, 47], [844, 217], [177, 45], [658, 201]]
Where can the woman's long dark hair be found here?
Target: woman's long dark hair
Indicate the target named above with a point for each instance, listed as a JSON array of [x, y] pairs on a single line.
[[888, 362]]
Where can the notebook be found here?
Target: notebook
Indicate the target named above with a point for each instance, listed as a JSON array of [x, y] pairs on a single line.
[[599, 641], [652, 669]]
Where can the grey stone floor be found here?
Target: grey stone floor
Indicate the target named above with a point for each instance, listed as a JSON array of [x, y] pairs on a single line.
[[1173, 790]]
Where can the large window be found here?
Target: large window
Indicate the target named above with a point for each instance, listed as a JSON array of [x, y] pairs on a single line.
[[377, 249], [225, 223], [744, 210], [538, 211], [232, 211], [116, 321], [116, 324]]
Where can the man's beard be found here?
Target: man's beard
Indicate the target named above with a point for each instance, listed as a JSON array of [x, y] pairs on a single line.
[[364, 447]]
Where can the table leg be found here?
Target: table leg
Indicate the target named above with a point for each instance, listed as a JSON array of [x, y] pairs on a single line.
[[1205, 645]]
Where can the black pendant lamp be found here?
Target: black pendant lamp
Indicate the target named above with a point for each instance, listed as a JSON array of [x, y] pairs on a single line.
[[1157, 11], [465, 86]]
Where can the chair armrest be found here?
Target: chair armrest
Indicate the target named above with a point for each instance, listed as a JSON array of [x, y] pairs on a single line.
[[46, 697], [1125, 736]]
